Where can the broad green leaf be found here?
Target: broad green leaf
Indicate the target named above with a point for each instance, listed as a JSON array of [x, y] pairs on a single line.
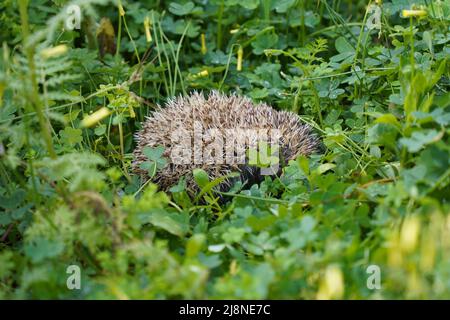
[[343, 45], [249, 4], [264, 41], [40, 249], [194, 245], [174, 223], [283, 5], [325, 167], [181, 9], [153, 153], [71, 136], [200, 177], [13, 201], [420, 138], [389, 119]]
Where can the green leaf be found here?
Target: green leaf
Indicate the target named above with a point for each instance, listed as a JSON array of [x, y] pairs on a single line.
[[194, 245], [19, 213], [5, 218], [200, 177], [181, 9], [389, 119], [259, 93], [342, 45], [190, 28], [428, 39], [41, 249], [420, 138], [71, 136], [325, 167], [156, 161], [149, 166], [153, 153], [6, 263], [233, 235], [208, 187], [264, 41], [249, 4], [383, 134], [174, 223], [14, 200], [100, 130], [282, 6]]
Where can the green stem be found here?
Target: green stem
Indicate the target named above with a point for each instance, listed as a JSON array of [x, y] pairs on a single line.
[[131, 39], [35, 100], [122, 151], [266, 5], [219, 25], [302, 23], [119, 35]]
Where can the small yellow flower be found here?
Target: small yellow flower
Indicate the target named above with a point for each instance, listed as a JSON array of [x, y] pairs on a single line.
[[233, 267], [428, 252], [148, 34], [97, 116], [233, 31], [121, 10], [409, 234], [54, 51], [413, 13], [132, 113], [240, 54], [117, 291], [203, 73], [395, 256], [332, 285], [203, 40]]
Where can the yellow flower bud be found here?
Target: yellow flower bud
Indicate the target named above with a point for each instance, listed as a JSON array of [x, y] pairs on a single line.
[[428, 252], [97, 116], [413, 13], [233, 267], [132, 113], [203, 40], [121, 10], [54, 51], [332, 285], [148, 34], [203, 73], [240, 54], [409, 234]]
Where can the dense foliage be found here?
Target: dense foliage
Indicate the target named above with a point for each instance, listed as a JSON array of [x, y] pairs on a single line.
[[377, 94]]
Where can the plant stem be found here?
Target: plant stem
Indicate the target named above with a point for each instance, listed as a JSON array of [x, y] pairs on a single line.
[[302, 23], [219, 26], [119, 35], [35, 100]]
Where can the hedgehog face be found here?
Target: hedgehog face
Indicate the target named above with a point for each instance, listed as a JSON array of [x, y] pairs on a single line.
[[219, 134]]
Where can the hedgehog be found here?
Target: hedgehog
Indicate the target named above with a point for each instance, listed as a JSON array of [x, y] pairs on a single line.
[[216, 133]]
